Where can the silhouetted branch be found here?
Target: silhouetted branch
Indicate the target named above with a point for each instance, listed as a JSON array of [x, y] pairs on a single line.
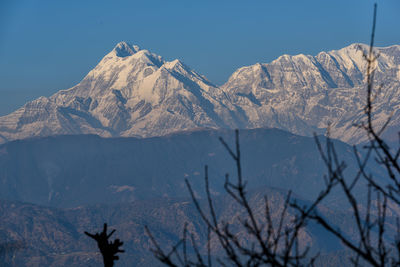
[[267, 243], [371, 244], [277, 244]]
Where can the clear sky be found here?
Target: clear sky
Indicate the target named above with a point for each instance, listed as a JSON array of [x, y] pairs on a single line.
[[48, 45]]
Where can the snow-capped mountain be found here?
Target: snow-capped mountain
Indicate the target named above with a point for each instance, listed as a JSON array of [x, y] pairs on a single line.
[[133, 92], [304, 94]]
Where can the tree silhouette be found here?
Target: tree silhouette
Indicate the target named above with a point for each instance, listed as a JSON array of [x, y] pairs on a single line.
[[107, 249]]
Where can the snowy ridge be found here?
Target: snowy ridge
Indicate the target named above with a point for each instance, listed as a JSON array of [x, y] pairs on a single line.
[[304, 94], [133, 92]]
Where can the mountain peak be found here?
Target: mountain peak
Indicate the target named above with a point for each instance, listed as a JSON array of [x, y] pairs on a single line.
[[172, 64], [356, 47], [124, 49]]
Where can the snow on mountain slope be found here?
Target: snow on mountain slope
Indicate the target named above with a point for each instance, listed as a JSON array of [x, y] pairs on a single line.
[[133, 92], [304, 94]]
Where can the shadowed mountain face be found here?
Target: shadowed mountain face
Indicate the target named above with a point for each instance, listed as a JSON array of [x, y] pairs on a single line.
[[68, 171], [135, 93]]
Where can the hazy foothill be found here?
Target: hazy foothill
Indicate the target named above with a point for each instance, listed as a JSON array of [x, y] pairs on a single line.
[[145, 162]]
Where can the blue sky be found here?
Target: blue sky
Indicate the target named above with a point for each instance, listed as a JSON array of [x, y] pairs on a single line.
[[46, 46]]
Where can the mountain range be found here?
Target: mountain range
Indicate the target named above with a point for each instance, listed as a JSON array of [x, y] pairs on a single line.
[[135, 93]]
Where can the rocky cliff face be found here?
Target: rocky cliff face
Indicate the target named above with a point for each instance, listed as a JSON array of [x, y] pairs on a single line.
[[133, 92]]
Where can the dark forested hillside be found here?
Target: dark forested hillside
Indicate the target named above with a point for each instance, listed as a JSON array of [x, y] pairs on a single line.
[[68, 171]]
